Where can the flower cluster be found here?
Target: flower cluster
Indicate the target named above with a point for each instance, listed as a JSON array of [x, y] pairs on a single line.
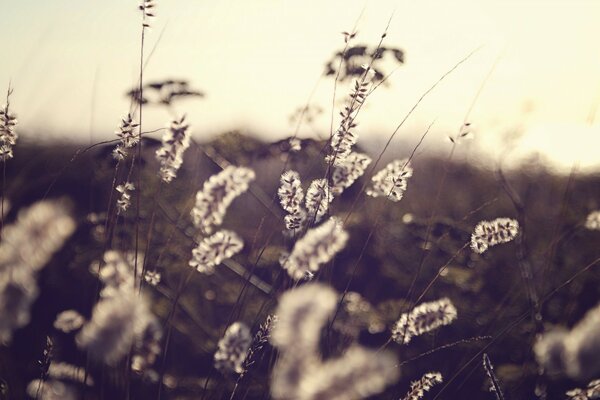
[[424, 318], [26, 247], [316, 247], [490, 233], [300, 371], [211, 251], [418, 388], [8, 135], [348, 171], [124, 202], [592, 222], [592, 391], [573, 352], [391, 181], [318, 197], [147, 9], [217, 194], [174, 143], [291, 196], [260, 340], [127, 136], [345, 137], [233, 348], [68, 321], [122, 318]]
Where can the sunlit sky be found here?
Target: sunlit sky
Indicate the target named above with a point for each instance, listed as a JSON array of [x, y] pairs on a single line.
[[71, 61]]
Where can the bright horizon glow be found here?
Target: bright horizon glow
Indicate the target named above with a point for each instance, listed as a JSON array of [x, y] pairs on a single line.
[[71, 63]]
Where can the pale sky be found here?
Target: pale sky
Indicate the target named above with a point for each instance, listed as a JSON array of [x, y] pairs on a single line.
[[71, 61]]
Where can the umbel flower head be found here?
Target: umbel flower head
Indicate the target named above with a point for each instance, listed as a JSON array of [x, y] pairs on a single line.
[[233, 348], [315, 248], [424, 318], [68, 321], [490, 233], [391, 181], [592, 391], [217, 194]]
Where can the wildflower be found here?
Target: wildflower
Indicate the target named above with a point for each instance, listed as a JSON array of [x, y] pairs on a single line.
[[346, 172], [119, 153], [300, 372], [592, 391], [316, 247], [490, 233], [355, 314], [212, 250], [344, 137], [147, 346], [217, 194], [290, 191], [391, 181], [126, 133], [573, 352], [359, 373], [124, 202], [18, 291], [259, 341], [300, 315], [65, 371], [592, 221], [117, 272], [424, 318], [51, 390], [8, 136], [38, 233], [233, 348], [152, 277], [117, 323], [418, 388], [495, 385], [147, 9], [174, 143], [295, 145], [68, 321], [318, 197]]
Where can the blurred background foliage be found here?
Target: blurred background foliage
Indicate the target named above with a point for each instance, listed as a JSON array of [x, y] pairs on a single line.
[[487, 289]]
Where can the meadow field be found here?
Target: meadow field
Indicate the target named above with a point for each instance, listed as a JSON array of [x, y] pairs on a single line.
[[160, 263]]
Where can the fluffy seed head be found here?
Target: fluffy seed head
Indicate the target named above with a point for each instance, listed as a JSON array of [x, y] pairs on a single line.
[[318, 197], [391, 181], [490, 233], [592, 391], [300, 315], [174, 143], [424, 318], [347, 172], [358, 374], [68, 321], [217, 194], [592, 221], [315, 248], [212, 250], [418, 388], [233, 348]]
